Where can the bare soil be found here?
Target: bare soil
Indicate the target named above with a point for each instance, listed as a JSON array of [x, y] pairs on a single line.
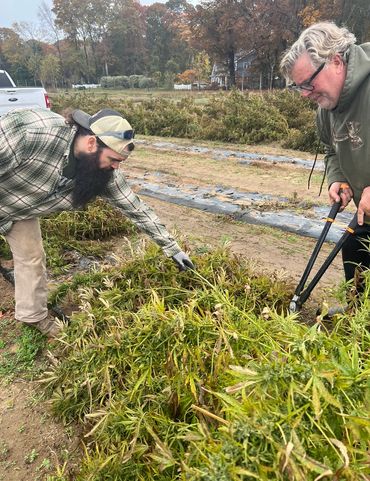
[[32, 443]]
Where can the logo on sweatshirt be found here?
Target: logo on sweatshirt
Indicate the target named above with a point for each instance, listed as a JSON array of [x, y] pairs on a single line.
[[352, 134]]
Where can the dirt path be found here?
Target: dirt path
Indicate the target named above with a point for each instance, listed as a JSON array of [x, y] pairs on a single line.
[[32, 443], [270, 248]]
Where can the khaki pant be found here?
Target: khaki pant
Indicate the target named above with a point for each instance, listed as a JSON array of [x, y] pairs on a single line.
[[25, 242]]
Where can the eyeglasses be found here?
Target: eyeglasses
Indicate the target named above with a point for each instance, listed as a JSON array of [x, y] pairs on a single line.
[[307, 84], [123, 135]]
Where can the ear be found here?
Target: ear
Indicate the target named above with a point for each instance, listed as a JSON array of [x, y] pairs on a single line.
[[338, 61], [92, 144]]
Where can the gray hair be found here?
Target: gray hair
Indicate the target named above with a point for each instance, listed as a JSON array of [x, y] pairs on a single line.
[[322, 41]]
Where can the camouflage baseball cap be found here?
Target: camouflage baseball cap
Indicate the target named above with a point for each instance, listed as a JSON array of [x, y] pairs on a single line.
[[111, 128]]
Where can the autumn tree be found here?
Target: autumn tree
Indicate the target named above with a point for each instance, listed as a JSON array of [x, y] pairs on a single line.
[[126, 37], [21, 57], [275, 25], [187, 77], [202, 66], [91, 38], [54, 36], [220, 27], [84, 23], [355, 15], [10, 50], [158, 37], [163, 38], [50, 72]]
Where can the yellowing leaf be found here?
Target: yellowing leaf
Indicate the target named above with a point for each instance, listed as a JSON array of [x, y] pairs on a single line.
[[324, 393], [316, 402]]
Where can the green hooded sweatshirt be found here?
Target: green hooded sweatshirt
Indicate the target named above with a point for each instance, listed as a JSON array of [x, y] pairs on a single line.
[[345, 130]]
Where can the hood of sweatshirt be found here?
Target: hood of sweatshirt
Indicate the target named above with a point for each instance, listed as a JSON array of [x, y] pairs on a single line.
[[358, 69]]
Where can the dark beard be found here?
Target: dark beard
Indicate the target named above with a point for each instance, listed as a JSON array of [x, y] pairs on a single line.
[[90, 180]]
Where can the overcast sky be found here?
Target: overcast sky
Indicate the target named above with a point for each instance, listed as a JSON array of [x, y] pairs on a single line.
[[27, 10]]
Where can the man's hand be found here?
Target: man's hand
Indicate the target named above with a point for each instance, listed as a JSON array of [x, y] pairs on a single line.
[[183, 261], [345, 195], [364, 206]]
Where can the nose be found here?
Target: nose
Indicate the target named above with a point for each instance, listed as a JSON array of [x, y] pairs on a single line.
[[306, 93]]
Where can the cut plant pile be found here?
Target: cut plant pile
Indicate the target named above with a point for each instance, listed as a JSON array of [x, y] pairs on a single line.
[[201, 376], [88, 232]]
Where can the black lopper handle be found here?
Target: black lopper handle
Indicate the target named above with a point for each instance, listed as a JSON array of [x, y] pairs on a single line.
[[350, 229], [329, 221]]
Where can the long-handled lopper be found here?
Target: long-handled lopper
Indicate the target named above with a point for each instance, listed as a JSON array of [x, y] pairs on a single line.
[[301, 294], [9, 276]]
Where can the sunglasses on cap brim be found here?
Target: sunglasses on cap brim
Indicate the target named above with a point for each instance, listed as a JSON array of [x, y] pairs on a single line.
[[123, 135]]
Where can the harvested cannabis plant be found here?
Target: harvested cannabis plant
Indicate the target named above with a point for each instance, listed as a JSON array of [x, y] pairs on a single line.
[[201, 376]]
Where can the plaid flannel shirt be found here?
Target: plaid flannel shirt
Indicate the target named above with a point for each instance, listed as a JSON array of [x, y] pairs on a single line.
[[34, 150]]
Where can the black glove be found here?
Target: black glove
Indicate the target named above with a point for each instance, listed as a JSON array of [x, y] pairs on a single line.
[[183, 261]]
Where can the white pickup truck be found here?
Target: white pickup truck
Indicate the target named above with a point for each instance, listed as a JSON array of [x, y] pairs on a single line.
[[12, 97]]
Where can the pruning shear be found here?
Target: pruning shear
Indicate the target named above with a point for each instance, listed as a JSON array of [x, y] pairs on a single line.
[[301, 294]]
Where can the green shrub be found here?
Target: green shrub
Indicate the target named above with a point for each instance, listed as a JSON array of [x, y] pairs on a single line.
[[81, 231], [232, 117], [83, 100], [98, 221], [305, 139], [5, 252], [118, 81], [242, 117], [134, 81], [147, 83], [159, 117], [300, 115], [295, 109]]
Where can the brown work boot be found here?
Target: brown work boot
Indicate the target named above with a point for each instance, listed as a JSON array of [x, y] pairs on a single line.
[[50, 326]]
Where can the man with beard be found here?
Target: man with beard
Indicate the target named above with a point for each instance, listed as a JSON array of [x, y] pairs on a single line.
[[50, 164]]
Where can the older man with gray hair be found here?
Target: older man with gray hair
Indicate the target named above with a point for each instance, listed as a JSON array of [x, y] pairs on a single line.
[[326, 66]]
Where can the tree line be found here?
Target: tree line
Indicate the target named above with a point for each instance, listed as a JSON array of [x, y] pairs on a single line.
[[81, 41]]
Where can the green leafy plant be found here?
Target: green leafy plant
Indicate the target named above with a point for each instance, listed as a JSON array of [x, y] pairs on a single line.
[[203, 376], [24, 359], [82, 232], [230, 117], [31, 457]]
